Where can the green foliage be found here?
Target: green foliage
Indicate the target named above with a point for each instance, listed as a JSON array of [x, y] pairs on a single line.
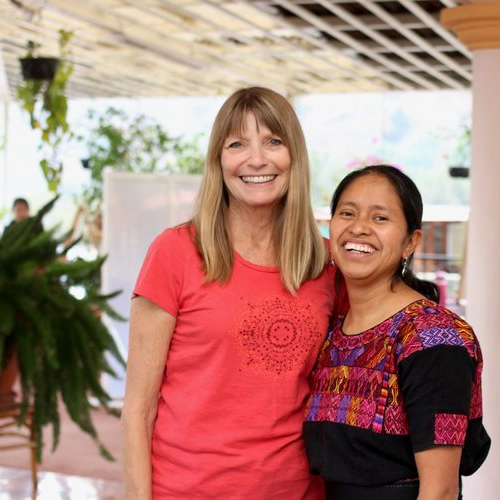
[[461, 154], [46, 103], [3, 212], [133, 144], [62, 345]]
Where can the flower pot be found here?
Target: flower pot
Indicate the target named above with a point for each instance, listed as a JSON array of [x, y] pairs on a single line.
[[458, 171], [8, 377], [39, 68], [85, 162]]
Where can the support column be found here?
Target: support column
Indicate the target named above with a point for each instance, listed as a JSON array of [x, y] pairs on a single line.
[[477, 25], [4, 106]]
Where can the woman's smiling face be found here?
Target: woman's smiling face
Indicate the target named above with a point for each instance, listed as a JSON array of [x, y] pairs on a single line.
[[255, 166], [368, 231]]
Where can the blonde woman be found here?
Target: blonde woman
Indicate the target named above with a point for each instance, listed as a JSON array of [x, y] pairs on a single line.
[[229, 313]]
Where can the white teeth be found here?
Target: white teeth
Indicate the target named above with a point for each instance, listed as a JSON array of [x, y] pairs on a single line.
[[258, 179], [358, 247]]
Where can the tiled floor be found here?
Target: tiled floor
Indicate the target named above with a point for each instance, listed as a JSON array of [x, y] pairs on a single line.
[[15, 484]]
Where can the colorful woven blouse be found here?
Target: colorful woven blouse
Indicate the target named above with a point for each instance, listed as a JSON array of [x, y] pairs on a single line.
[[411, 383]]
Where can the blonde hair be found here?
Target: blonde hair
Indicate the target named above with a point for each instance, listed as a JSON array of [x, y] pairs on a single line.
[[300, 250]]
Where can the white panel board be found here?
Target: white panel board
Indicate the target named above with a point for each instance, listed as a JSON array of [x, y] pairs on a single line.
[[136, 208]]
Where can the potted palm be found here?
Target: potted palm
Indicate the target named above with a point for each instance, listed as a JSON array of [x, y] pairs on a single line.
[[49, 328]]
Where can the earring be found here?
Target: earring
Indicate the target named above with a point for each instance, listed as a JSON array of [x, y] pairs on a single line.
[[331, 262], [404, 270]]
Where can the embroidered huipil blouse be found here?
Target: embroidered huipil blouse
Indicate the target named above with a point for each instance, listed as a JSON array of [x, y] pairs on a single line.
[[411, 383]]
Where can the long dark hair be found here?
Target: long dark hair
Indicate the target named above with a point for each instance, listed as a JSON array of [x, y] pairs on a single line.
[[411, 202]]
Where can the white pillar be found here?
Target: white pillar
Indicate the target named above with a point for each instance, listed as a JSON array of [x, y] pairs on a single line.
[[4, 106], [483, 266], [478, 26]]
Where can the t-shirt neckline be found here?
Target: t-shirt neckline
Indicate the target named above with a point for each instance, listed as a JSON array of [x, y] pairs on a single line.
[[255, 267]]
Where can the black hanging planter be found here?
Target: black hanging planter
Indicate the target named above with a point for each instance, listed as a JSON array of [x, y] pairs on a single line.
[[39, 68], [459, 171], [86, 162]]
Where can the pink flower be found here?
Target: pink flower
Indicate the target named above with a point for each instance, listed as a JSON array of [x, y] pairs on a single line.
[[353, 164]]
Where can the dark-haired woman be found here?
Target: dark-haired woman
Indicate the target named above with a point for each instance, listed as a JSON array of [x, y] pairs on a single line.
[[395, 410]]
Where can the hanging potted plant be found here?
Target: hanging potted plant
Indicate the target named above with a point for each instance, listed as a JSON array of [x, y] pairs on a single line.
[[460, 157], [50, 332], [38, 68], [43, 96]]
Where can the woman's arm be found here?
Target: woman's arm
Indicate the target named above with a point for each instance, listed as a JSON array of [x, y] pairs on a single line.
[[151, 330], [438, 473]]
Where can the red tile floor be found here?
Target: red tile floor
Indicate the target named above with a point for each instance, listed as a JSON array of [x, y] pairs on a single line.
[[74, 471], [15, 484]]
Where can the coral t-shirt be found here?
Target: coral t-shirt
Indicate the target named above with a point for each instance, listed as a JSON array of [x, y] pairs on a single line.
[[229, 423]]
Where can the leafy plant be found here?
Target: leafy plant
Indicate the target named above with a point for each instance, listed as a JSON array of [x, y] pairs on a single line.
[[3, 212], [61, 343], [46, 103], [132, 144], [461, 154]]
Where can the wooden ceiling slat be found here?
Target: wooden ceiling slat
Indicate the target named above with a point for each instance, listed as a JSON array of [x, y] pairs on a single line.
[[209, 47]]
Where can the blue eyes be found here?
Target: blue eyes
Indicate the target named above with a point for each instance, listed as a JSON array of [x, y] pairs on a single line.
[[274, 141]]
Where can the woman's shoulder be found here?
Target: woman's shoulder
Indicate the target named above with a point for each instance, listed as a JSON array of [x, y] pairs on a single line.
[[429, 325], [179, 235], [174, 244]]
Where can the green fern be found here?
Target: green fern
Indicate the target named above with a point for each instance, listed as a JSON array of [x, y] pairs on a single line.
[[62, 345]]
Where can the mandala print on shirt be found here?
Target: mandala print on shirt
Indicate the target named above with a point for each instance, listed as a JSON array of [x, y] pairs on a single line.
[[276, 334]]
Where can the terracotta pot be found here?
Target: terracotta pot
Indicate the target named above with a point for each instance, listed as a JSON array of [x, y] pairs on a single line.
[[8, 377]]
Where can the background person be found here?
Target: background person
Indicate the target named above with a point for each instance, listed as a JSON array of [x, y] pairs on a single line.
[[395, 411], [230, 312], [20, 212]]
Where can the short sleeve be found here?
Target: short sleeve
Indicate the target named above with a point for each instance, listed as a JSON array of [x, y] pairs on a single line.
[[437, 383], [161, 276]]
